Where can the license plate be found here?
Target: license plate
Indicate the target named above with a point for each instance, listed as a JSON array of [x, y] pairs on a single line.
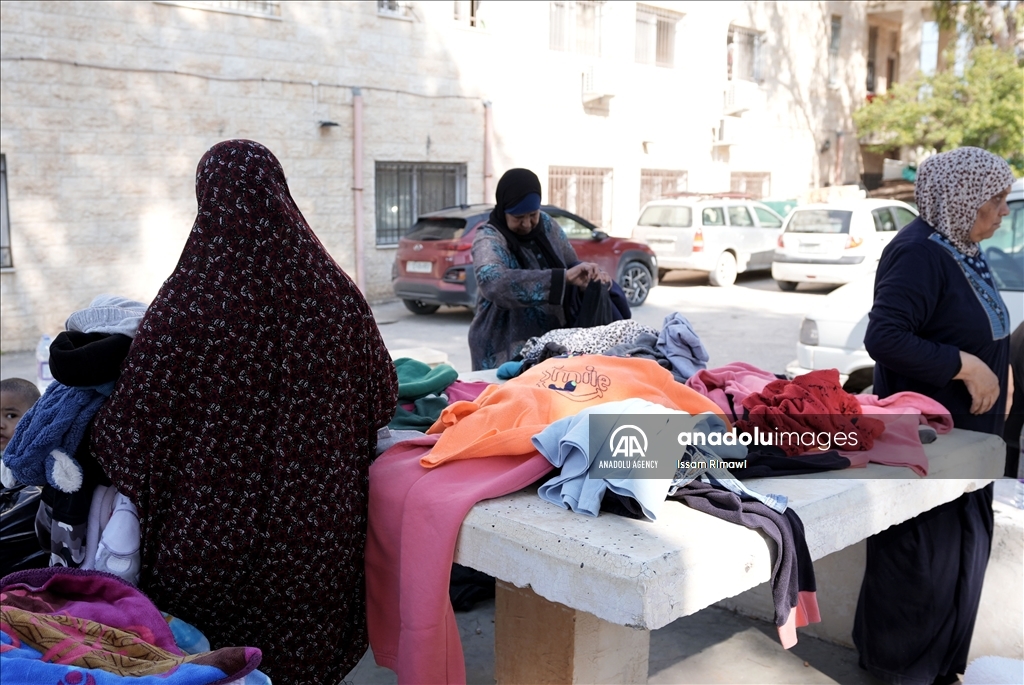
[[419, 267], [812, 248]]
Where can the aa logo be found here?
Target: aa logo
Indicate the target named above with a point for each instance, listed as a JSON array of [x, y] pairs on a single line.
[[629, 442]]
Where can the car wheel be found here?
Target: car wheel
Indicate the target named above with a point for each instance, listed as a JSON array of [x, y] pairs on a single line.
[[786, 286], [636, 282], [417, 307], [725, 271]]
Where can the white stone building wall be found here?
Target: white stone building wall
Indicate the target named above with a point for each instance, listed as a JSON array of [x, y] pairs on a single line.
[[106, 108]]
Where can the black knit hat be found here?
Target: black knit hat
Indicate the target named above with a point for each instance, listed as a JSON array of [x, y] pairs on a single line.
[[85, 360]]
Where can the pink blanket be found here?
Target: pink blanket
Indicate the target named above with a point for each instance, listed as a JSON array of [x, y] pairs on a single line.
[[900, 444], [727, 386], [414, 520]]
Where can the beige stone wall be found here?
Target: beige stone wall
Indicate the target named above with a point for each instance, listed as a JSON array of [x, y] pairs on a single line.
[[106, 107], [101, 155]]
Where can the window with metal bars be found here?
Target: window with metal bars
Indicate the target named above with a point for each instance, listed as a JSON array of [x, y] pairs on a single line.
[[833, 50], [404, 191], [6, 261], [575, 26], [756, 184], [744, 54], [252, 8], [586, 191], [659, 183], [656, 35]]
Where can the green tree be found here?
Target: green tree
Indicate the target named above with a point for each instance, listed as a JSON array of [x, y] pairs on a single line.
[[983, 108], [984, 22]]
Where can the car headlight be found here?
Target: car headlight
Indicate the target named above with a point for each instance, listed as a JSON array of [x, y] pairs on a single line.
[[809, 332]]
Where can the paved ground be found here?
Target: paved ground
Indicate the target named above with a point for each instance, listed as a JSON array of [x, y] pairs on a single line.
[[712, 646], [752, 322]]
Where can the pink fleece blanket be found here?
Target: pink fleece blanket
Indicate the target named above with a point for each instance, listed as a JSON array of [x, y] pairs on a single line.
[[900, 444], [926, 409], [727, 386], [414, 520]]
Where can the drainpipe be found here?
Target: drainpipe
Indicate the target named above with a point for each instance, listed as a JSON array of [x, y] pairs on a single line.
[[839, 179], [357, 183], [488, 159]]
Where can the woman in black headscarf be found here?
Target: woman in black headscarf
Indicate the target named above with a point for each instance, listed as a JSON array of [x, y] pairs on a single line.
[[524, 265]]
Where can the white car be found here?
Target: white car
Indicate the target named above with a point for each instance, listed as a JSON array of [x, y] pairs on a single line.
[[836, 242], [832, 334], [722, 235]]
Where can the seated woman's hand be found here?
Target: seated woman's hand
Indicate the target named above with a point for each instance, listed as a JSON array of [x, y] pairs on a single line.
[[981, 382]]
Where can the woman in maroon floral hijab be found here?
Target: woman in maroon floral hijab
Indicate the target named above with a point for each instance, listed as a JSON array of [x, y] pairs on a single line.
[[243, 426]]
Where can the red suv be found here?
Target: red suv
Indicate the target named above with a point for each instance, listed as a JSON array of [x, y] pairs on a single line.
[[434, 263]]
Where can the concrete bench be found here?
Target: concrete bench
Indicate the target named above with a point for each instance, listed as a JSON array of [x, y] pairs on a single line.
[[577, 597]]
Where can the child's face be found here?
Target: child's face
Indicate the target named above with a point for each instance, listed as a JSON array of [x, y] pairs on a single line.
[[12, 407]]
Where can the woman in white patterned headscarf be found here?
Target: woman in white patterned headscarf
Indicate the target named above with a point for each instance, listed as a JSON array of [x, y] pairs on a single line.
[[938, 327]]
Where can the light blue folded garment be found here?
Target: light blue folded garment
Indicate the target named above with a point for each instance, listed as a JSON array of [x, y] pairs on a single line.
[[681, 346], [566, 442]]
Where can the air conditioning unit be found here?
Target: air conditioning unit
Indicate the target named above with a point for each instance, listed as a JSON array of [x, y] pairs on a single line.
[[741, 96], [596, 84]]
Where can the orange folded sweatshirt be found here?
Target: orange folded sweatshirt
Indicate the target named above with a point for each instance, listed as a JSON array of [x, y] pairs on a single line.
[[503, 419]]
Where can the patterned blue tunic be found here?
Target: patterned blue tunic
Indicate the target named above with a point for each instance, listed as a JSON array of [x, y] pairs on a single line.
[[514, 302]]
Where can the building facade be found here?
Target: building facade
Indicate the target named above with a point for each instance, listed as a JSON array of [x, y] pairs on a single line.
[[383, 110]]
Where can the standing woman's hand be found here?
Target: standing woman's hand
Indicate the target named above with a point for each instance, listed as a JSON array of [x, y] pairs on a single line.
[[981, 382], [1009, 391]]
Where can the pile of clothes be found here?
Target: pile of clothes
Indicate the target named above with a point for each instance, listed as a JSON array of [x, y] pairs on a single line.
[[82, 620], [424, 391], [516, 434], [82, 521], [676, 347], [64, 625]]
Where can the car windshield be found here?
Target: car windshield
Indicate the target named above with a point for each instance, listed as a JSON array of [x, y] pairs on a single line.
[[667, 216], [820, 221], [440, 228], [1004, 251]]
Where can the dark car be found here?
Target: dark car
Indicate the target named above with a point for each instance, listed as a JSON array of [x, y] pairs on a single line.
[[434, 263]]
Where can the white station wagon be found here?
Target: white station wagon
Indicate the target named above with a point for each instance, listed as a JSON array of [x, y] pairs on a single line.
[[836, 242], [721, 235]]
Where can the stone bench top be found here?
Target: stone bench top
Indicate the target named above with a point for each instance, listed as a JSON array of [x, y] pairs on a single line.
[[647, 574]]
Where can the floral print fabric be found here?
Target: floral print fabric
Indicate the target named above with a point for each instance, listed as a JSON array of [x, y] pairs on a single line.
[[952, 186], [243, 427]]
